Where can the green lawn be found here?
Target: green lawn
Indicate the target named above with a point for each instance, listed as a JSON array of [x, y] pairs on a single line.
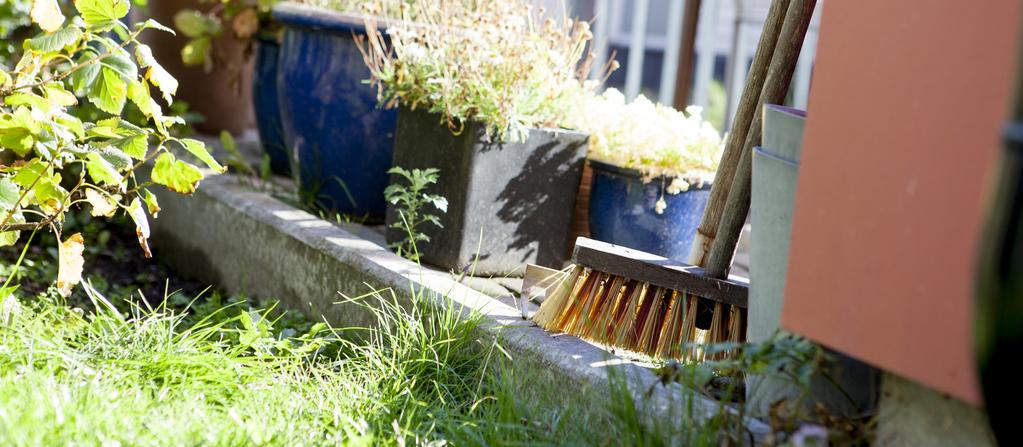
[[201, 368], [215, 375]]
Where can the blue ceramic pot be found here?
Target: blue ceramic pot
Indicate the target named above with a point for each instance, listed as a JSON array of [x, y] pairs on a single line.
[[622, 212], [342, 140], [266, 106]]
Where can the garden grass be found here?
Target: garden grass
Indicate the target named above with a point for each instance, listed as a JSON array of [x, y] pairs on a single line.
[[218, 374], [203, 368]]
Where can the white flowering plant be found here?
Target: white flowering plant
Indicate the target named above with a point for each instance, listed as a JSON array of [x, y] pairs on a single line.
[[680, 149]]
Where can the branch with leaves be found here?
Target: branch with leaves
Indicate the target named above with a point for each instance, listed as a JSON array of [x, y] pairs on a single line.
[[52, 161]]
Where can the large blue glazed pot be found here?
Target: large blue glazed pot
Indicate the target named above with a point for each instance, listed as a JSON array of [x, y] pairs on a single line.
[[622, 212], [342, 140], [266, 105]]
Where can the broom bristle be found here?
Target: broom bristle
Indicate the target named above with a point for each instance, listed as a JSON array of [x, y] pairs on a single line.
[[636, 316], [625, 331], [669, 345], [737, 326], [653, 328], [601, 309], [556, 299], [619, 313], [576, 322], [579, 291], [689, 331], [718, 327]]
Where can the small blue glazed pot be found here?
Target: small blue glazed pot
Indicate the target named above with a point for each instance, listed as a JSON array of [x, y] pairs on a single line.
[[266, 106], [622, 212], [342, 141]]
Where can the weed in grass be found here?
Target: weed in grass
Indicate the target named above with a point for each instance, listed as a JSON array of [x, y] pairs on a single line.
[[148, 378], [410, 200]]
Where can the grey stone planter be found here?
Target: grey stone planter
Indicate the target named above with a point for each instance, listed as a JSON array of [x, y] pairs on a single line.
[[773, 197], [848, 387], [518, 197]]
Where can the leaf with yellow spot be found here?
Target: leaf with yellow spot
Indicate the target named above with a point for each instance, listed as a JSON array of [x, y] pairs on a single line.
[[141, 225], [101, 204], [152, 204], [175, 174], [70, 264], [57, 94], [198, 148], [155, 73], [101, 171], [46, 13]]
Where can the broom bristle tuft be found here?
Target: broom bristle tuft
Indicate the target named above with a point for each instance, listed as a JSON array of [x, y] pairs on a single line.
[[635, 316]]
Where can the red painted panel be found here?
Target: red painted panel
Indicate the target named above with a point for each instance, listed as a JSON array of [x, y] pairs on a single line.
[[904, 118]]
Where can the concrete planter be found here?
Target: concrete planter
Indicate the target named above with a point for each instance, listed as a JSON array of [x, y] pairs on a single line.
[[518, 197], [849, 387], [772, 200]]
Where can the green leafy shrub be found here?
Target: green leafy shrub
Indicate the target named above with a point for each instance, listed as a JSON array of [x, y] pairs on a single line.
[[51, 160], [501, 63], [16, 24], [14, 17], [410, 201]]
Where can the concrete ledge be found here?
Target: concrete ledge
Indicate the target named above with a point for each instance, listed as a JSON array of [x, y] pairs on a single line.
[[246, 241], [912, 414]]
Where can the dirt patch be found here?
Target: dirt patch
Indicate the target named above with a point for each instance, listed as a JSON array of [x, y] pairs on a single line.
[[115, 265]]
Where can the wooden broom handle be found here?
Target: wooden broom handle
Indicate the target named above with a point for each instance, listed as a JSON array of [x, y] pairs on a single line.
[[776, 86], [744, 114]]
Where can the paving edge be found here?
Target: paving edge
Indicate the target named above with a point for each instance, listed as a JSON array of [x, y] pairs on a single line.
[[248, 242]]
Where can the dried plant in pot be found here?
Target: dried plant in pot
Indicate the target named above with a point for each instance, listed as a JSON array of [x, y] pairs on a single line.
[[652, 170], [483, 95]]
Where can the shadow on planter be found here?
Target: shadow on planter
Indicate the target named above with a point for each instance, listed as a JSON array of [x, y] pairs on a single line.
[[508, 203], [341, 140], [266, 105], [622, 212]]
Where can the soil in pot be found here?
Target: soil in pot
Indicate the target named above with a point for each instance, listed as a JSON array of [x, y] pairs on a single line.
[[623, 211], [508, 203]]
